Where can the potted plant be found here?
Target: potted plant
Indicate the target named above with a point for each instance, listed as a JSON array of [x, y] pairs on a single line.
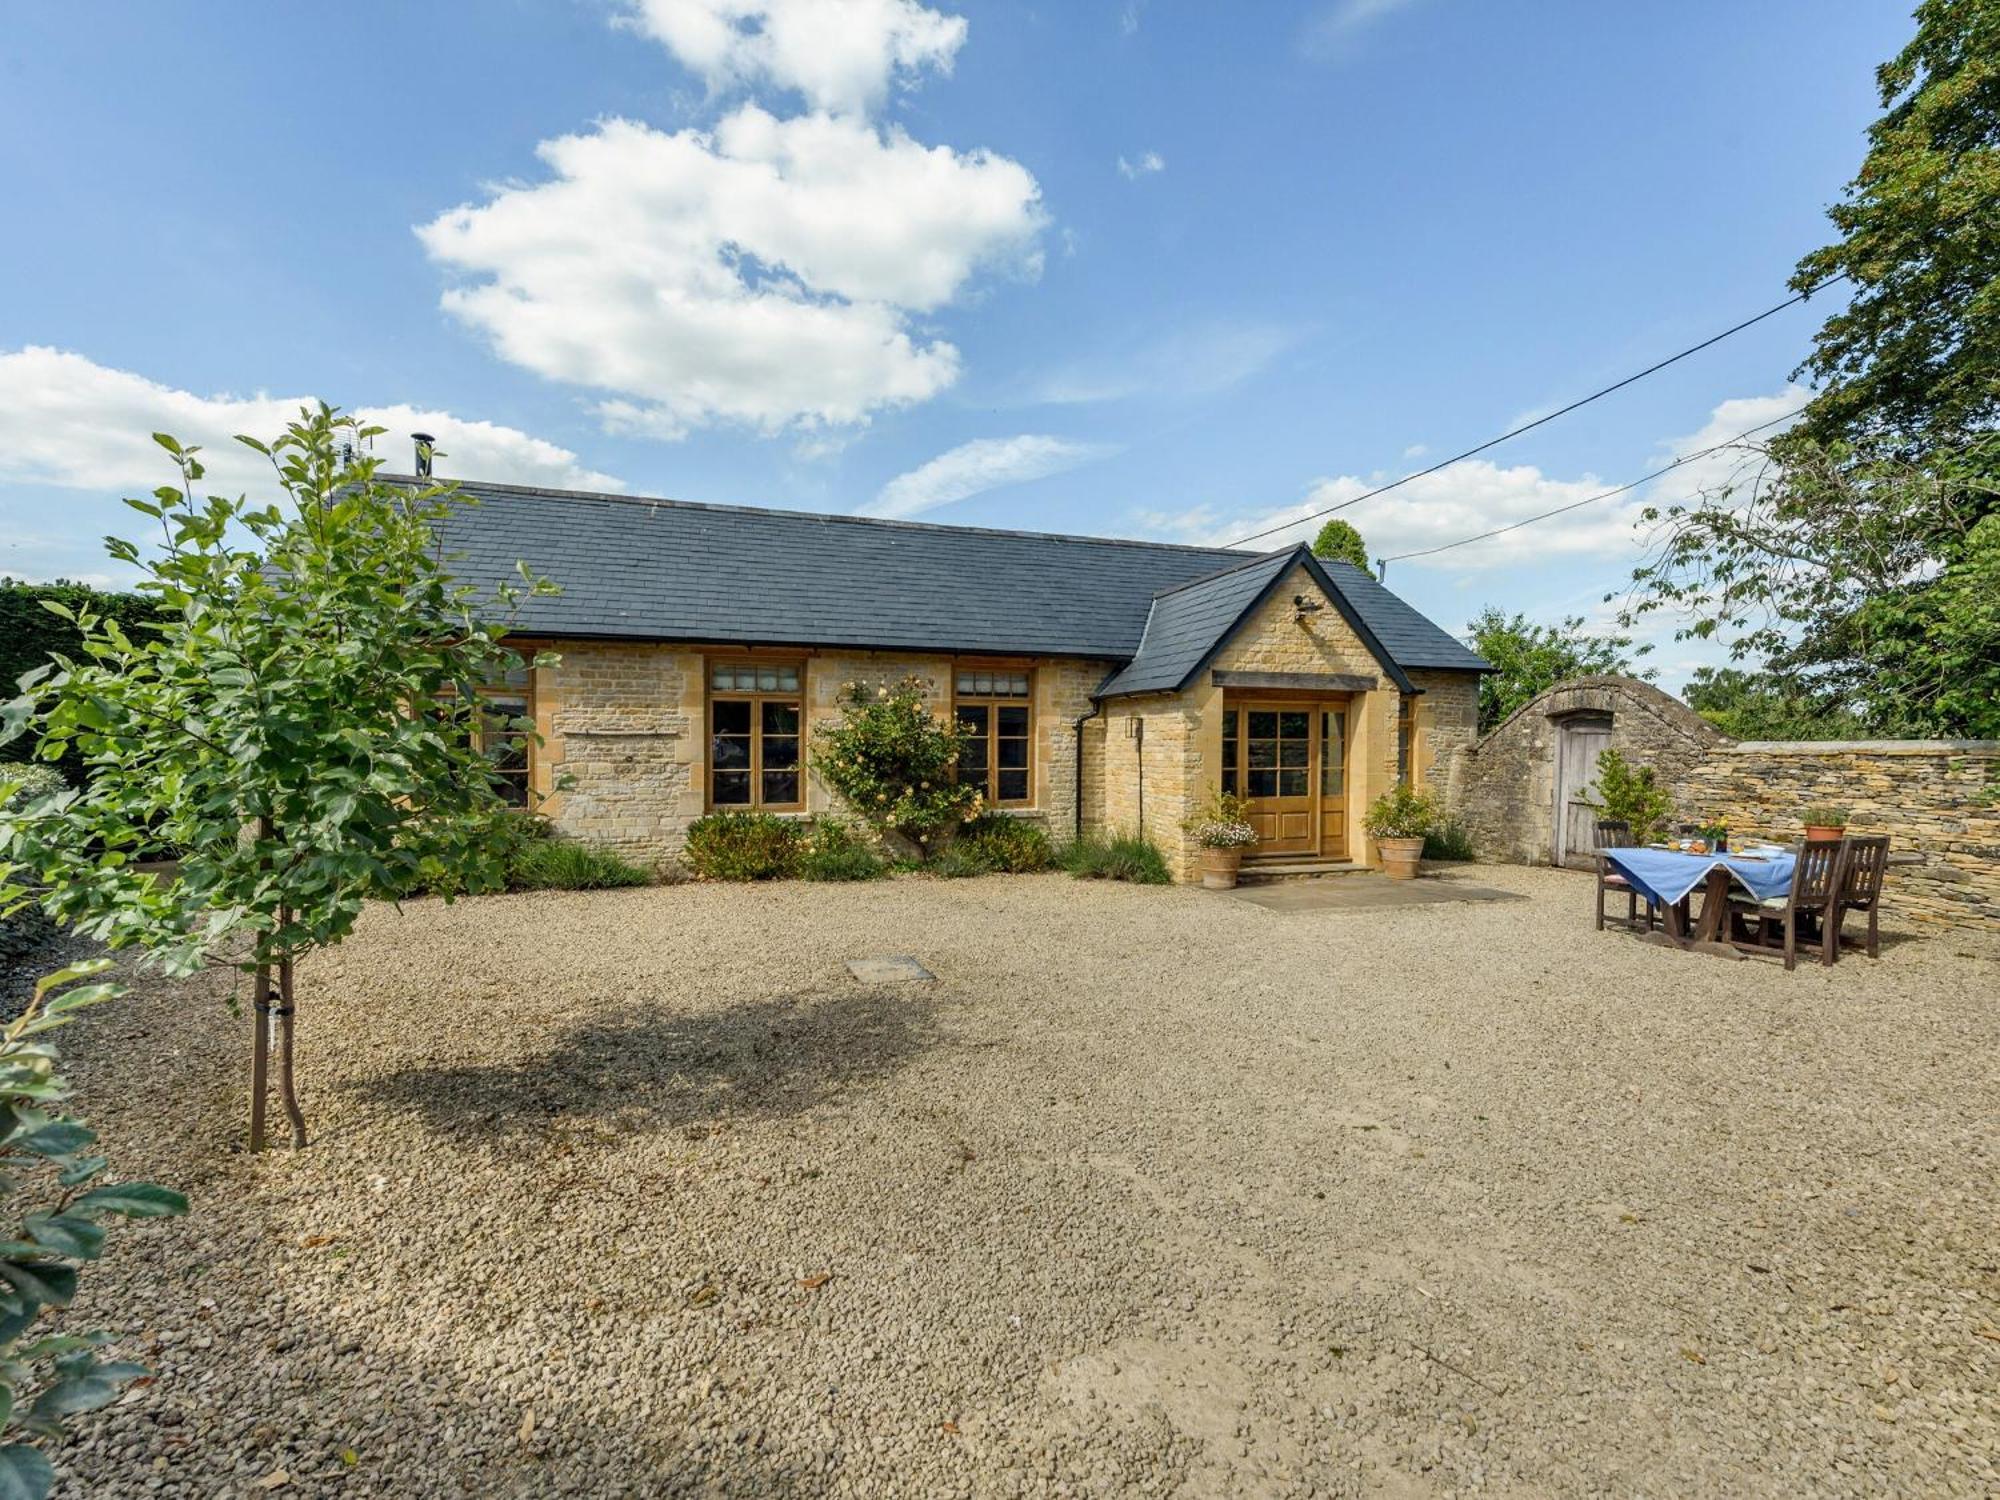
[[1824, 821], [1398, 820], [1222, 834], [1715, 835]]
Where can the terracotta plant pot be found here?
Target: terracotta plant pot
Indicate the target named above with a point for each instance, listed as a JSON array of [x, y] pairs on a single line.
[[1219, 868], [1400, 857], [1821, 831]]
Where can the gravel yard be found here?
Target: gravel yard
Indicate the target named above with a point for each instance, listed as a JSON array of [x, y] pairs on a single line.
[[1152, 1192]]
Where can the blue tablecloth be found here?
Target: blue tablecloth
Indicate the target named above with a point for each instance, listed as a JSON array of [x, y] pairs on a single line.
[[1666, 875]]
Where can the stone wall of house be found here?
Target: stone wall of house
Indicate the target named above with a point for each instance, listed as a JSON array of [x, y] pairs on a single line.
[[1153, 779], [1932, 797], [1447, 725], [624, 738], [1503, 786], [619, 725]]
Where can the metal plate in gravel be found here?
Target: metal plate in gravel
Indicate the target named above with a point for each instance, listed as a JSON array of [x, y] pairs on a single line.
[[897, 969]]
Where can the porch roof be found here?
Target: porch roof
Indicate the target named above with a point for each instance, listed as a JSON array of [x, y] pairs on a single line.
[[1188, 624]]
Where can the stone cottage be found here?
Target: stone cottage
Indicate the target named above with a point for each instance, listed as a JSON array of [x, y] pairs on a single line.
[[1108, 685]]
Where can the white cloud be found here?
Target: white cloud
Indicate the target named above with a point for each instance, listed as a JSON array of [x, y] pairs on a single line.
[[1129, 16], [1328, 31], [68, 421], [974, 467], [1479, 495], [841, 55], [763, 273], [1148, 163], [1194, 361]]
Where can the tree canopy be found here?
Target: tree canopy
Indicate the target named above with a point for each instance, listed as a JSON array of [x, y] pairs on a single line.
[[304, 723], [1856, 554], [1339, 542], [1765, 706], [1917, 348], [1529, 659]]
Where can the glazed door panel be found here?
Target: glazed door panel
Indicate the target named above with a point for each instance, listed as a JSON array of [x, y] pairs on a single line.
[[1333, 780], [1278, 753]]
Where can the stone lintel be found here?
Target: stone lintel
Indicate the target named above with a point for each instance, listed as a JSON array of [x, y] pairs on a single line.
[[1298, 682]]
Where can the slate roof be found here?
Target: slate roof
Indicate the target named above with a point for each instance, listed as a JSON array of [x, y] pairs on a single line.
[[642, 569], [1411, 638], [1186, 624]]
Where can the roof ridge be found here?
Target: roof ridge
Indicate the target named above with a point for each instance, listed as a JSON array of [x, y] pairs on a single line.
[[481, 486], [1248, 562]]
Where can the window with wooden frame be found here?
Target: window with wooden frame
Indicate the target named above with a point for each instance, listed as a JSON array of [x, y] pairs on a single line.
[[503, 731], [995, 706], [755, 729]]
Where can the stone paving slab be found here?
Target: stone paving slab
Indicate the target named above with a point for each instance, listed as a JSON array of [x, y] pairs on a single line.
[[1365, 893], [897, 969]]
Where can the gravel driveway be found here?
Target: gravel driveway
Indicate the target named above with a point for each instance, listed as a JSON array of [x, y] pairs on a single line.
[[1152, 1192]]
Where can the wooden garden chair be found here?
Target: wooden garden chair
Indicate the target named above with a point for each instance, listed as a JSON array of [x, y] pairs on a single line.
[[1815, 897], [1861, 890], [1615, 833]]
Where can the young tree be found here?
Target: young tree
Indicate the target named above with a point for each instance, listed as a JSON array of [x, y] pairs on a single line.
[[303, 726], [1632, 794], [1529, 659], [1339, 542]]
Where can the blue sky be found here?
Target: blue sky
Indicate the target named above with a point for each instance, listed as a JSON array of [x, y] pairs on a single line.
[[1153, 269]]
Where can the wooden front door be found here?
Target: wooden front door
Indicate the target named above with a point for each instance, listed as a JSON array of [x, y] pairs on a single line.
[[1288, 761], [1578, 744]]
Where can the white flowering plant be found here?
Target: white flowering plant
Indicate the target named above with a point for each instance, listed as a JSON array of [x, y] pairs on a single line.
[[1221, 824]]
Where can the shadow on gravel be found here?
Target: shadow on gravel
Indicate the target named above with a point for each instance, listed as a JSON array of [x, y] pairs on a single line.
[[654, 1069]]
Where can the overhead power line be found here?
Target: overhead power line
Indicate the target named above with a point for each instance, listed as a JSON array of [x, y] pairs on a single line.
[[1560, 411], [1685, 458]]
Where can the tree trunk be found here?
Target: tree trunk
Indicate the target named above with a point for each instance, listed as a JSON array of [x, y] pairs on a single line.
[[286, 1091], [260, 1015], [260, 1053]]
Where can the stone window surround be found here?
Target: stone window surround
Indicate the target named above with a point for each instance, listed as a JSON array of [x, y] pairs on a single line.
[[1015, 666], [798, 697]]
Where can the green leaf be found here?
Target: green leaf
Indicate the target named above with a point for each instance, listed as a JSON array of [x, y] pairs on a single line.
[[24, 1473], [57, 1138], [92, 1387], [81, 1170], [70, 974], [40, 1283], [66, 1234], [135, 1200]]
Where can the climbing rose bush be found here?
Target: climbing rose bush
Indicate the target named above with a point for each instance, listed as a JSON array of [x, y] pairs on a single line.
[[896, 763]]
